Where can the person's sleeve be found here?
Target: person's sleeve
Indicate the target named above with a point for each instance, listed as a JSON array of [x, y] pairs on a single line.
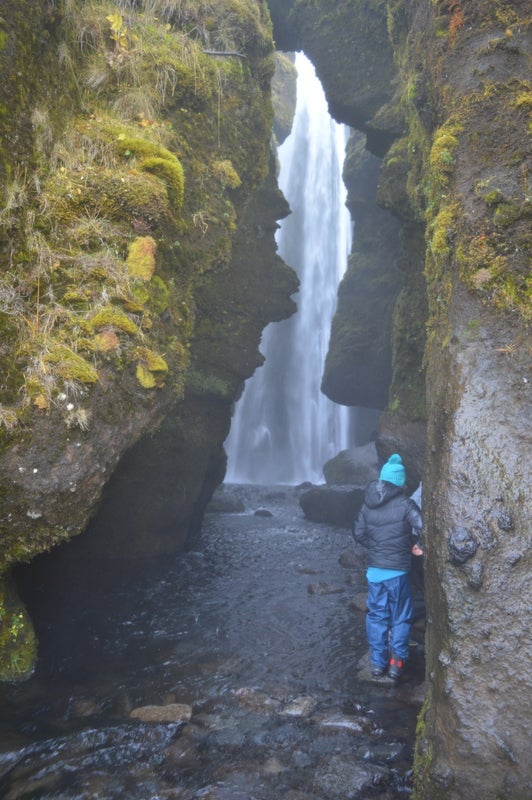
[[415, 520], [359, 527]]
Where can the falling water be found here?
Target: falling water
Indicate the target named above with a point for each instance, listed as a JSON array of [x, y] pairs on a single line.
[[284, 428]]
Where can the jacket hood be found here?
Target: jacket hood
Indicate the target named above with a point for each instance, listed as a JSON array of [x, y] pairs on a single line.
[[380, 492]]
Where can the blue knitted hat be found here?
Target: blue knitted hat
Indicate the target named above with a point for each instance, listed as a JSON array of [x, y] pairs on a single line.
[[393, 471]]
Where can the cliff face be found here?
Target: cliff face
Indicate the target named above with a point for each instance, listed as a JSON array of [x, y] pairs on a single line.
[[457, 177], [358, 368], [136, 238]]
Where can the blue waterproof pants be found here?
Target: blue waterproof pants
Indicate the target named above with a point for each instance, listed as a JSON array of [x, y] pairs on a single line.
[[388, 619]]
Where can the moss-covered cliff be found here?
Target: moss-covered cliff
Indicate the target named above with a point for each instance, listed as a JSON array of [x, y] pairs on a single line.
[[136, 157]]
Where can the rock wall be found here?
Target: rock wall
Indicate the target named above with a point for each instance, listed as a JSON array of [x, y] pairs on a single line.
[[139, 205], [358, 368], [457, 177]]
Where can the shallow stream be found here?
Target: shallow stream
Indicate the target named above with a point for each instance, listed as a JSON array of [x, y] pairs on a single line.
[[252, 642]]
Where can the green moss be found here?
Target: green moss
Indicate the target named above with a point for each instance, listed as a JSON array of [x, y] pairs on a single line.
[[70, 365], [494, 197], [523, 100], [141, 294], [171, 171], [506, 214], [141, 257], [106, 192], [113, 317], [151, 368], [226, 174], [201, 383], [443, 153], [154, 158], [158, 295], [18, 645], [423, 755], [105, 342], [443, 228]]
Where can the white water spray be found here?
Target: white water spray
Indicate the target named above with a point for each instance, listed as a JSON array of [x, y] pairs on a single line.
[[284, 429]]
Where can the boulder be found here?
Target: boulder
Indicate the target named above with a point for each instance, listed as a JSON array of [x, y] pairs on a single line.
[[173, 712], [335, 505], [357, 466], [348, 779]]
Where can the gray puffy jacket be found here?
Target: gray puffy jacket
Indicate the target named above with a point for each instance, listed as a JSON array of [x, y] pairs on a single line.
[[388, 524]]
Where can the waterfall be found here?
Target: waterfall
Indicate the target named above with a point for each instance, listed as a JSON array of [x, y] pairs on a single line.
[[284, 429]]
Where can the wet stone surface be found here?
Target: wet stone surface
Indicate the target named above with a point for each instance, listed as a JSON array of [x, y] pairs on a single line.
[[219, 675]]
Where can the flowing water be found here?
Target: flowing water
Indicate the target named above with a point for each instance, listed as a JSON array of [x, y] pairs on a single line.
[[255, 633], [284, 428]]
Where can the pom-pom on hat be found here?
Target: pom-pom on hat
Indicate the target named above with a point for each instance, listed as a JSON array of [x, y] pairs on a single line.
[[393, 471]]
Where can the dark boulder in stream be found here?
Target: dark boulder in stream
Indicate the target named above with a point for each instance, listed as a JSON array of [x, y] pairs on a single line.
[[336, 505]]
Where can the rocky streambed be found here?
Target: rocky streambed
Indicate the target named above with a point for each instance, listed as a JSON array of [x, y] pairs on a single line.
[[236, 671]]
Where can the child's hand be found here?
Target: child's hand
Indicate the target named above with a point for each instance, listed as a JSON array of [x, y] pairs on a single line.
[[416, 550]]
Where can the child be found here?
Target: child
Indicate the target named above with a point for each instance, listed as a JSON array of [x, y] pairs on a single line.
[[385, 525]]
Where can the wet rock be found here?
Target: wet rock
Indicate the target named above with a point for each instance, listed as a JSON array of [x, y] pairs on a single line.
[[173, 712], [263, 512], [475, 574], [301, 759], [255, 700], [398, 435], [225, 503], [323, 588], [414, 694], [273, 767], [300, 707], [360, 601], [83, 707], [349, 559], [178, 793], [343, 722], [309, 570], [182, 756], [347, 779], [216, 792], [356, 466], [381, 751], [336, 505], [504, 519], [26, 790], [462, 545], [214, 722]]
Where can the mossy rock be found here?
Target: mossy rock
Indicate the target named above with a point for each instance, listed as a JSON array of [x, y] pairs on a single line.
[[158, 295], [114, 318], [151, 369], [70, 365], [136, 194], [18, 644], [141, 257], [226, 174]]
